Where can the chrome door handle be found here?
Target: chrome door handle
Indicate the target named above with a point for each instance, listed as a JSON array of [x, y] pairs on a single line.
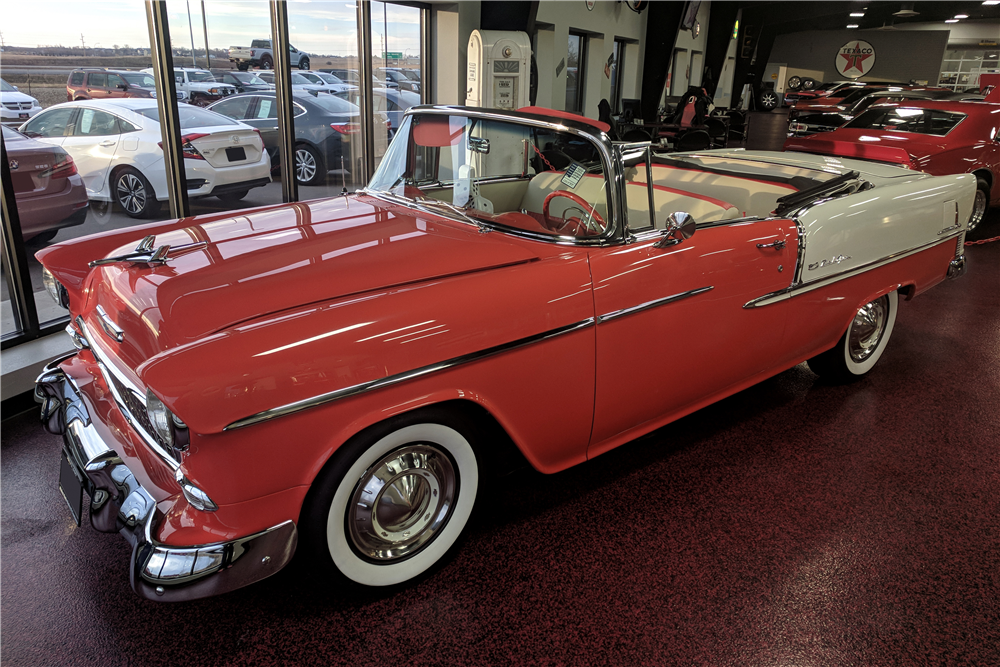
[[107, 142], [777, 245]]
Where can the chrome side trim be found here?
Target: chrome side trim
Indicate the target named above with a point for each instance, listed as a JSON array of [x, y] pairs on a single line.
[[108, 370], [109, 325], [802, 288], [372, 385], [651, 304]]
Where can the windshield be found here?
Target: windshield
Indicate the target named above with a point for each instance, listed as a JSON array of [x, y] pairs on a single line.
[[190, 116], [899, 119], [328, 78], [299, 79], [247, 77], [410, 74], [139, 79], [6, 87], [500, 173], [200, 76]]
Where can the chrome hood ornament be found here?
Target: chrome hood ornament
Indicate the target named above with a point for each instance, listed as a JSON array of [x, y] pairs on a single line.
[[145, 254]]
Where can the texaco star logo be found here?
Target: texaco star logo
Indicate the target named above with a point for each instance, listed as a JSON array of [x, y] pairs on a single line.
[[855, 59]]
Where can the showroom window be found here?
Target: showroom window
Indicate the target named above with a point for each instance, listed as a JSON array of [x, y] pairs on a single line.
[[617, 67], [99, 190], [576, 71]]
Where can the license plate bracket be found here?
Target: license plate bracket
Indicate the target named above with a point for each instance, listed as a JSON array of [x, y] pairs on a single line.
[[22, 116], [71, 486], [236, 154]]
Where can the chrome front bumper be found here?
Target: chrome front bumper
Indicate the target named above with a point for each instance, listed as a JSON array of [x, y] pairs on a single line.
[[120, 504], [957, 267]]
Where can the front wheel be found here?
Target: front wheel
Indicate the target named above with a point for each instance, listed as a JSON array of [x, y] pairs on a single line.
[[304, 63], [393, 501], [768, 100], [134, 193], [861, 346]]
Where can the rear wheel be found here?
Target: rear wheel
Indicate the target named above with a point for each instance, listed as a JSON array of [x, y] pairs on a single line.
[[794, 83], [861, 346], [809, 84], [266, 62], [394, 500], [304, 63], [134, 193], [308, 165], [242, 66], [980, 204]]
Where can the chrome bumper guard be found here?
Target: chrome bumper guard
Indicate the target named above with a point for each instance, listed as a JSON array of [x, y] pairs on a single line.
[[956, 267], [120, 504]]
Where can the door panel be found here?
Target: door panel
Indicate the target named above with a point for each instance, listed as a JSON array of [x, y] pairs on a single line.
[[656, 360], [93, 144]]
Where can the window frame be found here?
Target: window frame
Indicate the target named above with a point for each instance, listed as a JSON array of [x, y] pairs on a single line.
[[581, 72]]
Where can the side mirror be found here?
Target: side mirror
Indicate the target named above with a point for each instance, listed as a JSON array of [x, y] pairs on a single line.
[[680, 226], [123, 86]]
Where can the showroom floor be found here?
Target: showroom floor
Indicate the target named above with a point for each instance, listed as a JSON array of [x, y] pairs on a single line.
[[795, 523]]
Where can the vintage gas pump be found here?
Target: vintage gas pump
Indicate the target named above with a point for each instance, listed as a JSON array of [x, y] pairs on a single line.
[[499, 73]]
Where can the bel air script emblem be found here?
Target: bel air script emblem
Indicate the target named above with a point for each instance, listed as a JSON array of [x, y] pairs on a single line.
[[828, 262]]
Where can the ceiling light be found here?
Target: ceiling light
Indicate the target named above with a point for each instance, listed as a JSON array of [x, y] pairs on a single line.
[[991, 2], [951, 21], [857, 14], [852, 25], [961, 16]]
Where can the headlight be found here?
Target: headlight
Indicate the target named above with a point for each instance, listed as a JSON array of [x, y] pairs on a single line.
[[160, 418], [55, 289]]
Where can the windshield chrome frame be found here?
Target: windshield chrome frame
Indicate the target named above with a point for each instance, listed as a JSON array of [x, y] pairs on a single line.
[[614, 178]]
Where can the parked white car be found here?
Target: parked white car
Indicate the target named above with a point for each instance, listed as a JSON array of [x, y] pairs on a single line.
[[199, 86], [116, 146], [16, 107]]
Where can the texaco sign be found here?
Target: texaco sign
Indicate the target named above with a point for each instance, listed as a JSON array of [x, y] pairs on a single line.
[[855, 59]]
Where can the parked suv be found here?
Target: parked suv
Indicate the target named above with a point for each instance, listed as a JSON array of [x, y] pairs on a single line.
[[245, 82], [100, 83], [198, 86], [259, 54]]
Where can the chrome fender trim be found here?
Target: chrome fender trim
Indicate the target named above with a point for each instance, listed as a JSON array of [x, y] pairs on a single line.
[[802, 288], [372, 385]]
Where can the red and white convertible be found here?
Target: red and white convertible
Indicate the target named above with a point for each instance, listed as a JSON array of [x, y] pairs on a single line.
[[338, 376]]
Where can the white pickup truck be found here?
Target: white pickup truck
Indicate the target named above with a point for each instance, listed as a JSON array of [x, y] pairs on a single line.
[[259, 54], [199, 86]]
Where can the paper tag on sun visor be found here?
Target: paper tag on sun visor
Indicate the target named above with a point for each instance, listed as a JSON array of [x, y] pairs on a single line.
[[460, 193], [574, 173]]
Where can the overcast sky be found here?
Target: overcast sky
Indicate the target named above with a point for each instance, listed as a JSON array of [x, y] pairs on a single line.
[[316, 27]]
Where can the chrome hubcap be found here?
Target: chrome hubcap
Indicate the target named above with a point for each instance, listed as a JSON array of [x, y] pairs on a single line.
[[978, 209], [131, 193], [305, 165], [769, 99], [401, 503], [867, 329]]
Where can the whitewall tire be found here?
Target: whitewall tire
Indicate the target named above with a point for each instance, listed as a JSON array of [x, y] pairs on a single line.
[[393, 502], [862, 345]]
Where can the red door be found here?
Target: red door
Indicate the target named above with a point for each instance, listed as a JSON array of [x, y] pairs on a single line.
[[672, 330]]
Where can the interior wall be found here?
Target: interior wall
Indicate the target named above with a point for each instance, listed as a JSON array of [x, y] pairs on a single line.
[[602, 25], [899, 55], [690, 44], [451, 26]]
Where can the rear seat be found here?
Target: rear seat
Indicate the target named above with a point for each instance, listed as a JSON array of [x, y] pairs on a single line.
[[751, 197]]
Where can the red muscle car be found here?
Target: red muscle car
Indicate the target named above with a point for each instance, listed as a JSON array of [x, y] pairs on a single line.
[[935, 136], [337, 376]]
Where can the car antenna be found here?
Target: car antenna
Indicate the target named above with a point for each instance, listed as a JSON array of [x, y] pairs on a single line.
[[343, 176]]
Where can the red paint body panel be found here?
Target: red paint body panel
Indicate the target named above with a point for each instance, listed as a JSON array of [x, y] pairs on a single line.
[[970, 146]]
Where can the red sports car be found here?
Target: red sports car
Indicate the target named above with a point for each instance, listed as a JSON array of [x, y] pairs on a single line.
[[938, 137]]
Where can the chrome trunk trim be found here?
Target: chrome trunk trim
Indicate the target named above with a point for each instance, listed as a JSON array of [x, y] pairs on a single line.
[[372, 385]]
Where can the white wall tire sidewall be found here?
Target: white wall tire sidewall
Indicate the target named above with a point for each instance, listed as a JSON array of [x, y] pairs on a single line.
[[371, 574], [856, 368]]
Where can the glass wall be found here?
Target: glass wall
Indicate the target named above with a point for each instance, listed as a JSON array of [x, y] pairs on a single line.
[[575, 75], [82, 146], [96, 164], [961, 68]]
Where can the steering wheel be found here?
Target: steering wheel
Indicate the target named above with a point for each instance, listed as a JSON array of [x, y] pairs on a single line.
[[560, 225]]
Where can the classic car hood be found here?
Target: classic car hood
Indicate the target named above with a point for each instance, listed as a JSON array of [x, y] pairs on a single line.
[[281, 258]]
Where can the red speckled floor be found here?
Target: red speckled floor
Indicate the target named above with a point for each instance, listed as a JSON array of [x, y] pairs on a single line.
[[795, 523]]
